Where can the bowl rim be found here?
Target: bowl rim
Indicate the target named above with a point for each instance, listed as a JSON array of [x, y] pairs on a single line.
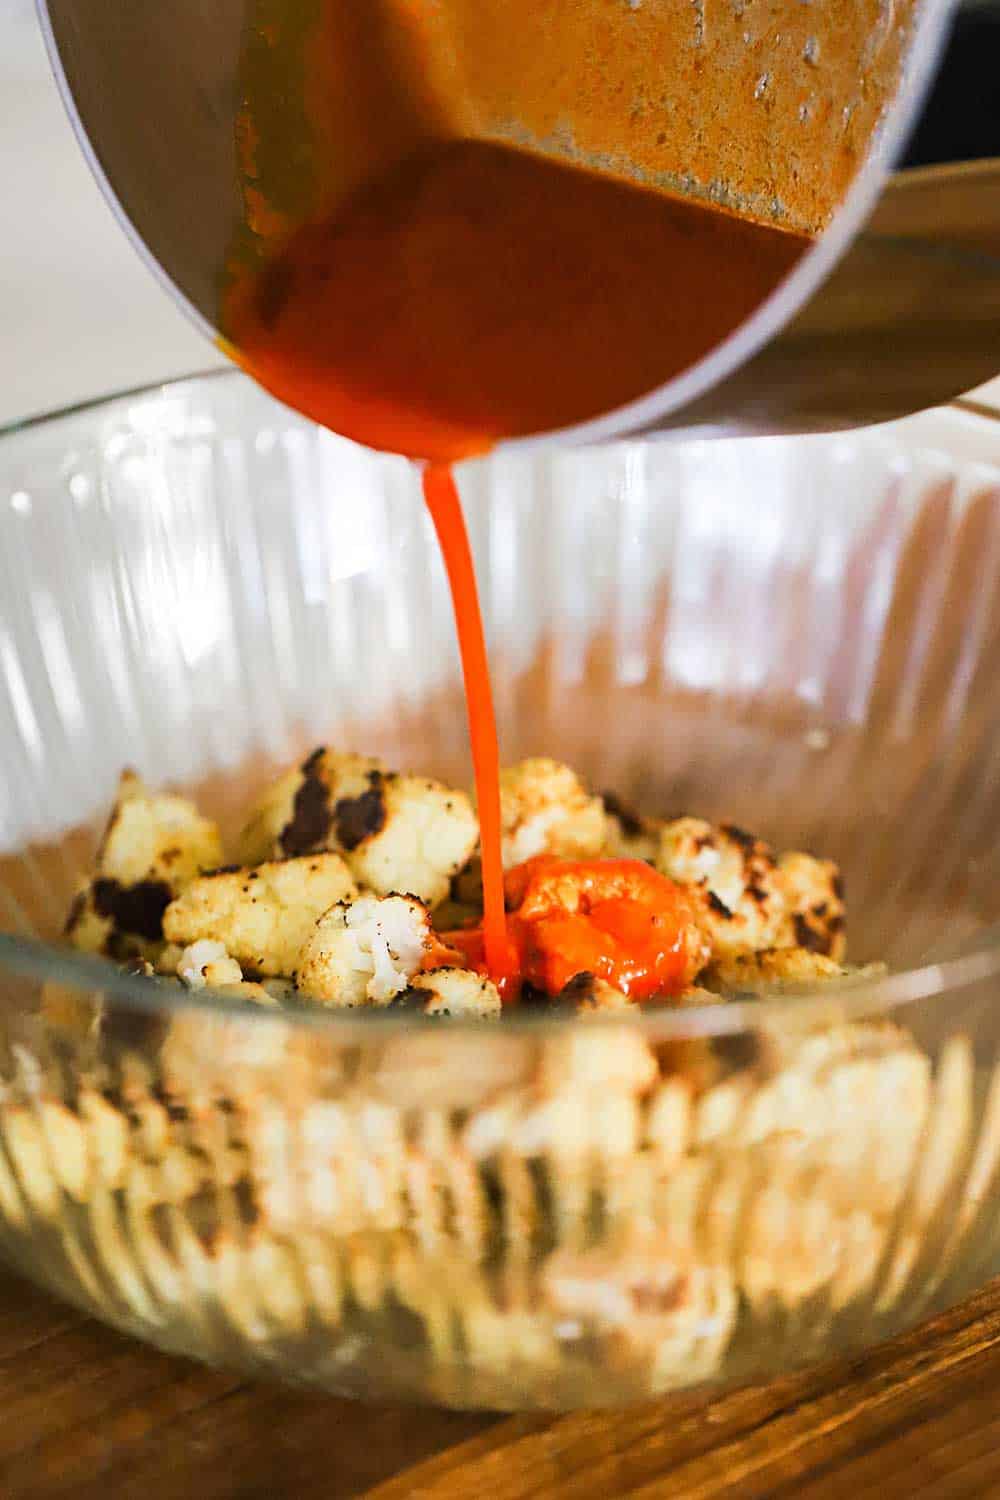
[[19, 425], [854, 997], [964, 408]]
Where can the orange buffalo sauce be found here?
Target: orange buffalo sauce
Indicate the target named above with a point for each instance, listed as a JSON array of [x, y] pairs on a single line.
[[441, 496], [472, 293], [614, 918]]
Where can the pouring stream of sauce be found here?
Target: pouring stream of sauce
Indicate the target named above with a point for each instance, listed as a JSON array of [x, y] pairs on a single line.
[[441, 496]]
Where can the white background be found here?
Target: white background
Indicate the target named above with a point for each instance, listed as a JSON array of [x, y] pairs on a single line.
[[80, 315]]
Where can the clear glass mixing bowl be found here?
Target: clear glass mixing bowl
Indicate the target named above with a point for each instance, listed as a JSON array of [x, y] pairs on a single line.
[[802, 636]]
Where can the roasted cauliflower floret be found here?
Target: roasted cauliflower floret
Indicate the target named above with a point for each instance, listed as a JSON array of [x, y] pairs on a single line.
[[546, 809], [628, 834], [427, 835], [745, 906], [261, 835], [397, 833], [206, 965], [153, 846], [366, 952], [814, 901], [774, 970], [156, 835], [453, 992], [261, 916], [299, 813], [249, 992], [589, 995]]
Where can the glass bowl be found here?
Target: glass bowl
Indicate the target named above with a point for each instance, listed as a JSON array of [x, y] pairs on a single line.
[[802, 636]]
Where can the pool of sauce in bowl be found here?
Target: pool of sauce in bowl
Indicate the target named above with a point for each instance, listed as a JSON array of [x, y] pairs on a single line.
[[469, 293]]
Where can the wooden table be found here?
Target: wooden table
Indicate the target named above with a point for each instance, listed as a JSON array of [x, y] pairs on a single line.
[[86, 1413]]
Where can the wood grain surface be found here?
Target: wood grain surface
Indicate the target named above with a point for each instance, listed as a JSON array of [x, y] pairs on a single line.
[[85, 1412]]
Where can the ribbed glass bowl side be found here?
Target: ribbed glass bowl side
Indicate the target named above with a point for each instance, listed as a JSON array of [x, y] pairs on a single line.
[[801, 637]]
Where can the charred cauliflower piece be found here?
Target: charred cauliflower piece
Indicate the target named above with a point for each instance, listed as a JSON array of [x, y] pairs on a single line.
[[262, 916], [366, 952], [768, 971], [427, 835], [775, 970], [814, 901], [589, 995], [628, 834], [300, 814], [397, 833], [206, 965], [154, 845], [249, 992], [545, 809], [453, 992], [270, 816], [745, 906]]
